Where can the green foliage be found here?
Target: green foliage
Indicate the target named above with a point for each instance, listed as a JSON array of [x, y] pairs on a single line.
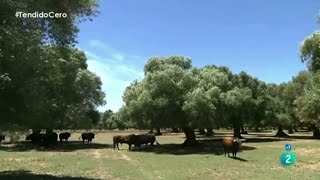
[[44, 82], [310, 51], [309, 104]]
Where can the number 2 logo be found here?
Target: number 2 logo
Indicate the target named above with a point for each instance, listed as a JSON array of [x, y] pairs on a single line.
[[288, 157]]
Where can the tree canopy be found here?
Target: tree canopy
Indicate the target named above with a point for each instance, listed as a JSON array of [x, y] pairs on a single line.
[[44, 80]]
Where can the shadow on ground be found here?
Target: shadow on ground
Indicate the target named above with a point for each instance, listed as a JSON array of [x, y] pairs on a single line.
[[251, 138], [205, 147], [25, 175], [60, 147], [239, 159]]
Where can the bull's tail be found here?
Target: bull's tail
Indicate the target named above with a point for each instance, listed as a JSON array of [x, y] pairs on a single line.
[[80, 137]]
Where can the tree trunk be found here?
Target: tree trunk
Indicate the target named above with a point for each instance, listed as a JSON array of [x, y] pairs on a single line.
[[190, 137], [175, 130], [202, 132], [209, 132], [49, 131], [316, 132], [290, 130], [36, 131], [158, 133], [151, 131], [236, 131], [280, 132]]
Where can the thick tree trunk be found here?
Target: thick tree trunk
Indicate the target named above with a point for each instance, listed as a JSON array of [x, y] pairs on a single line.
[[316, 132], [310, 128], [158, 133], [295, 129], [36, 131], [236, 131], [209, 132], [202, 132], [175, 130], [49, 131], [290, 130], [280, 132], [257, 129], [190, 137], [151, 131]]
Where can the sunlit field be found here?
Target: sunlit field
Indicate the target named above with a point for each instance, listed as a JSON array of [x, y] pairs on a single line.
[[259, 159]]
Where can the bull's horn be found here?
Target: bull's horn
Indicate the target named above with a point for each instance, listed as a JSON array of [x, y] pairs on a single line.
[[242, 139], [234, 140]]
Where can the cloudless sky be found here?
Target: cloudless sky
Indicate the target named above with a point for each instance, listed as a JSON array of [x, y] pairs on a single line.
[[259, 37]]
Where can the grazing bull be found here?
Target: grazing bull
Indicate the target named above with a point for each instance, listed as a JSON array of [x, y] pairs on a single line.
[[233, 144], [2, 138], [43, 139], [64, 136], [137, 140], [121, 139], [87, 137]]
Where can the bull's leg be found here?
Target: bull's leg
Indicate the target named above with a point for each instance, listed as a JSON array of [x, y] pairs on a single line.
[[118, 146], [129, 146], [228, 153], [225, 151]]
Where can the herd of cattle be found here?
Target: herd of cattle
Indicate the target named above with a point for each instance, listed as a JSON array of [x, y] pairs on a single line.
[[136, 140], [232, 144], [51, 138]]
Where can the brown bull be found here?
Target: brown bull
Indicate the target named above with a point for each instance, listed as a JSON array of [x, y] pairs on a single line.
[[121, 139], [233, 144]]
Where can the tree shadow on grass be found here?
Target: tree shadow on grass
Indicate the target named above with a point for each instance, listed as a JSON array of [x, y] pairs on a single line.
[[248, 139], [60, 147], [205, 147], [26, 175], [302, 137]]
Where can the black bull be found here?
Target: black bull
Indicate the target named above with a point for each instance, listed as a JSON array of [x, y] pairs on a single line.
[[137, 140], [43, 139], [87, 137], [64, 136]]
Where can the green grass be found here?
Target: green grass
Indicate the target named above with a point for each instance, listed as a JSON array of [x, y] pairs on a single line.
[[259, 159]]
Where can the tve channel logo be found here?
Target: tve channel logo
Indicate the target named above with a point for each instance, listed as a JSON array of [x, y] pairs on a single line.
[[288, 158]]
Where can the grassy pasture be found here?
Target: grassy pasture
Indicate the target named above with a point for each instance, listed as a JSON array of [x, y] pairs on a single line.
[[259, 159]]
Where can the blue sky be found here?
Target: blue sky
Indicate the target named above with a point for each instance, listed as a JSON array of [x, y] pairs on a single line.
[[259, 37]]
